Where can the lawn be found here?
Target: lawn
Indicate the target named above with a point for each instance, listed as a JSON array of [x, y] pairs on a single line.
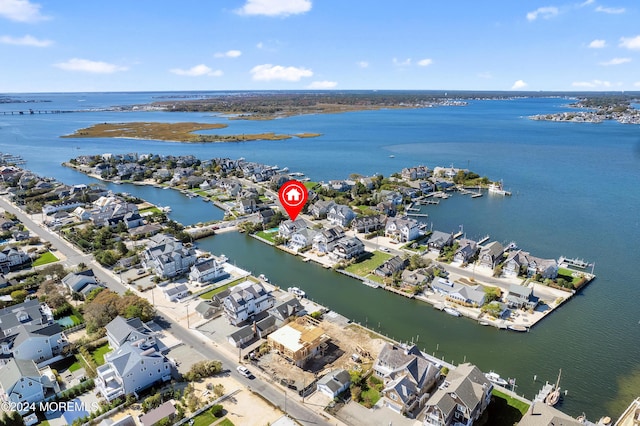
[[206, 418], [45, 258], [310, 185], [150, 210], [99, 353], [364, 267], [511, 402], [566, 274], [208, 295], [75, 366], [269, 236]]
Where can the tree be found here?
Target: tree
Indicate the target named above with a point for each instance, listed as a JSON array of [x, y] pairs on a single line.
[[18, 296], [217, 411], [492, 293], [203, 369], [55, 299]]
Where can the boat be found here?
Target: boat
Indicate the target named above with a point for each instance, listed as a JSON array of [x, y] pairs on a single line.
[[371, 284], [297, 292], [165, 209], [392, 156], [495, 378], [553, 397], [483, 323], [497, 189], [452, 311], [520, 328], [263, 278]]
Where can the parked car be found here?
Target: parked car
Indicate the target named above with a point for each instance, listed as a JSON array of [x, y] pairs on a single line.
[[244, 371]]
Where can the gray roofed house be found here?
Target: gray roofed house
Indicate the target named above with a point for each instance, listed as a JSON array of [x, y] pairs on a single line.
[[467, 249], [121, 330], [246, 300], [520, 296], [285, 310], [461, 399], [207, 270], [334, 383], [125, 421], [176, 292], [266, 326], [439, 240], [545, 415], [391, 266], [243, 335], [367, 224], [302, 239], [491, 254], [347, 248], [81, 282], [418, 277], [167, 256], [325, 241], [521, 261], [22, 382], [289, 227], [206, 310], [165, 411], [402, 229], [339, 214], [320, 208]]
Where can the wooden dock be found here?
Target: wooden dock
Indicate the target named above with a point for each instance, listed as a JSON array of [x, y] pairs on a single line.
[[544, 393]]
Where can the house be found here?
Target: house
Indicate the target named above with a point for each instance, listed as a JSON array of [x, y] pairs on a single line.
[[367, 224], [467, 249], [521, 262], [408, 377], [207, 270], [242, 336], [246, 300], [167, 256], [391, 266], [287, 309], [148, 230], [20, 235], [22, 383], [439, 240], [402, 230], [302, 239], [248, 205], [289, 227], [393, 197], [175, 293], [461, 399], [545, 415], [521, 297], [339, 214], [11, 257], [81, 282], [132, 220], [298, 342], [167, 410], [334, 383], [415, 278], [347, 248], [130, 369], [491, 254], [459, 293], [133, 330], [325, 241], [414, 173], [265, 215], [205, 309], [386, 208]]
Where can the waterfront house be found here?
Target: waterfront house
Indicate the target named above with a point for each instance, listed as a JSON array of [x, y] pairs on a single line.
[[133, 330], [302, 239], [491, 254], [408, 377], [289, 227], [391, 266], [22, 383], [439, 240], [521, 262], [207, 270], [297, 342], [11, 257], [81, 282], [167, 256], [414, 173], [347, 248], [393, 197], [386, 208], [286, 310], [459, 293], [367, 224], [320, 208], [461, 399], [521, 297], [248, 205], [132, 220], [334, 383], [544, 415], [246, 300], [416, 278], [339, 214], [402, 230], [130, 369], [467, 249], [325, 241], [175, 293]]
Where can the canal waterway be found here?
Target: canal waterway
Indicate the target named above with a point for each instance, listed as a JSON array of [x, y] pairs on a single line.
[[574, 194]]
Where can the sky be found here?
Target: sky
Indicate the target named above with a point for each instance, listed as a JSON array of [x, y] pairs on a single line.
[[161, 45]]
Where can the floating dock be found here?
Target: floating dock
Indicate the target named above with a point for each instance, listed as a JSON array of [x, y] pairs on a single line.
[[544, 393]]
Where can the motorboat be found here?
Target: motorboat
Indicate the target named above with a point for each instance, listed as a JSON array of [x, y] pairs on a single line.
[[263, 278], [297, 292], [453, 312], [495, 378]]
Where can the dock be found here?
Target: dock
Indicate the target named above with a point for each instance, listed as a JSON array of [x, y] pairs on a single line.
[[417, 214], [544, 393], [484, 240]]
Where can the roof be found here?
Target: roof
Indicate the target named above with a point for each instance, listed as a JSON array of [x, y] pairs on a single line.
[[294, 336], [120, 328], [335, 380], [439, 238], [544, 415], [16, 369], [164, 410], [287, 308], [494, 249], [243, 333]]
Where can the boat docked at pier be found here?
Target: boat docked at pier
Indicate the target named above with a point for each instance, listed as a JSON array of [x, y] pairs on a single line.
[[495, 378], [497, 189], [554, 396], [297, 292], [452, 311]]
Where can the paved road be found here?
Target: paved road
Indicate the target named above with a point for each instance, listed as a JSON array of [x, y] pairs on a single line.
[[276, 396]]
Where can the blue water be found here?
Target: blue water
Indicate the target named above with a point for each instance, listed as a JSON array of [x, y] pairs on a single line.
[[575, 189]]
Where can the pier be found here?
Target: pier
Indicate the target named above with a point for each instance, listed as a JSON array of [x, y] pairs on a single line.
[[544, 393], [34, 112]]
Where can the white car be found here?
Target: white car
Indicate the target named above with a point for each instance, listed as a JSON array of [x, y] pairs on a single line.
[[244, 371]]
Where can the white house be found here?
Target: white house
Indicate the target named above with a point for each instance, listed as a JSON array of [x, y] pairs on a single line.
[[168, 257], [347, 248], [339, 214], [402, 229], [10, 257], [130, 369], [302, 239], [289, 227], [334, 383], [207, 270], [81, 282], [121, 330], [175, 293], [246, 300], [325, 241]]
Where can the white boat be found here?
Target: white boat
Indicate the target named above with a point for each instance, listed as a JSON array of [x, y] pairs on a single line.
[[263, 278], [297, 292], [452, 311], [497, 189], [553, 398], [371, 284], [495, 378], [165, 209]]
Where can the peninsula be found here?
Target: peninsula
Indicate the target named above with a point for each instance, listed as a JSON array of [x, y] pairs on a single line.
[[174, 132]]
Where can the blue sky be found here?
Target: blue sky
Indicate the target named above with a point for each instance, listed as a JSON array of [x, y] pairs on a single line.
[[145, 45]]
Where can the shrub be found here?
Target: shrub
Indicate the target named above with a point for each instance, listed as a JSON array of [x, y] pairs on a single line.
[[217, 411]]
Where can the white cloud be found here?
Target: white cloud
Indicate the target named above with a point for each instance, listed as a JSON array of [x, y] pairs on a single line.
[[25, 41], [637, 84], [275, 7], [268, 72], [597, 44], [611, 10], [425, 62], [520, 84], [322, 85], [616, 61], [593, 84], [630, 42], [86, 65], [363, 64], [485, 74], [586, 3], [197, 71], [404, 63], [544, 12], [228, 54], [21, 11]]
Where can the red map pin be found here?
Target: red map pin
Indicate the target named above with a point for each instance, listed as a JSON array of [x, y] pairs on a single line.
[[293, 196]]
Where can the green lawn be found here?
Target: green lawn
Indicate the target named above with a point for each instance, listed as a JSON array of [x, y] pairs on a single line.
[[76, 319], [372, 395], [211, 293], [364, 267], [150, 210], [269, 236], [206, 418], [310, 185], [522, 407], [75, 366], [47, 257], [566, 274], [99, 353], [225, 422]]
